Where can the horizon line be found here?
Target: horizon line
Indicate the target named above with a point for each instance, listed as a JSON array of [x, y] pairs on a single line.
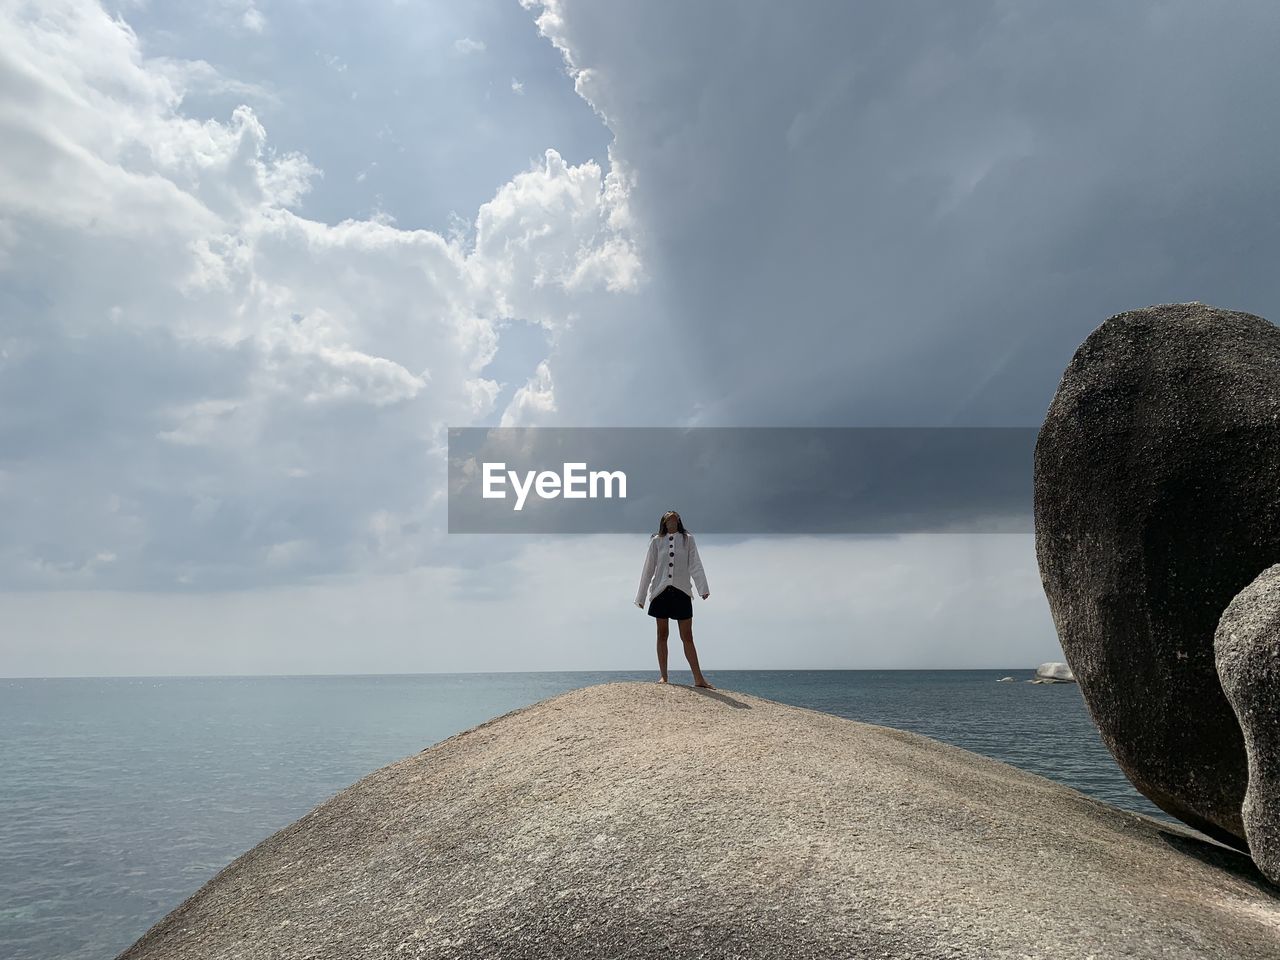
[[483, 673]]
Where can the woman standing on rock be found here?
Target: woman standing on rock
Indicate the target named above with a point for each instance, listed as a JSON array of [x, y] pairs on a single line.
[[671, 560]]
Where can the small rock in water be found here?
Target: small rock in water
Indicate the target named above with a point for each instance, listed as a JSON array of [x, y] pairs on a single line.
[[1056, 672]]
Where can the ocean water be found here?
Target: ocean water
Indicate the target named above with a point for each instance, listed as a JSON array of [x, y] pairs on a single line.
[[119, 797]]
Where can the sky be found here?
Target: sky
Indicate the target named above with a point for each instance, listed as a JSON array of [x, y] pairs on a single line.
[[257, 257]]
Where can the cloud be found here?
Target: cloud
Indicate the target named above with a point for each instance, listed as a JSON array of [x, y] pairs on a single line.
[[517, 87], [878, 214], [523, 261], [534, 399], [333, 62], [465, 45], [210, 389], [254, 20], [242, 14], [189, 77]]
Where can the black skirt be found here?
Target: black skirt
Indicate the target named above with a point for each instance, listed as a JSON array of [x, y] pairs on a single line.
[[671, 603]]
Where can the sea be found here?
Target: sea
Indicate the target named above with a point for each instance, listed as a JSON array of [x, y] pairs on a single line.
[[120, 797]]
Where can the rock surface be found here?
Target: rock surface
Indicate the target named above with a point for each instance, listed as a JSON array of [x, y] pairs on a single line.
[[1155, 497], [1247, 647], [1055, 671], [640, 820]]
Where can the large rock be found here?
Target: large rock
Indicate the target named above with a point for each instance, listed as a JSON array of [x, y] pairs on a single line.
[[639, 820], [1157, 500], [1247, 647]]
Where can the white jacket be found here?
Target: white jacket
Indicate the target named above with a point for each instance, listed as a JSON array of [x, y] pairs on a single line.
[[671, 559]]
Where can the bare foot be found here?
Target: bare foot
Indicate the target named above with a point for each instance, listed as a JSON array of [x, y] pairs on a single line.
[[704, 684], [662, 679]]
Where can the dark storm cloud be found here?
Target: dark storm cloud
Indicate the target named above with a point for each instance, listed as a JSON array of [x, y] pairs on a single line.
[[912, 213]]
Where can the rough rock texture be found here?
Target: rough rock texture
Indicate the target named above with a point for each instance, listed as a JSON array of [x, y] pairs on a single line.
[[1247, 647], [639, 820], [1056, 671], [1155, 498]]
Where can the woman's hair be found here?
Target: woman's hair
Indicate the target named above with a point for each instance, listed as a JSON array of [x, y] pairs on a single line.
[[662, 524]]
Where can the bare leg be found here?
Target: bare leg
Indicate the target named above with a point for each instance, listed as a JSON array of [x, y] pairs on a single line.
[[691, 653], [664, 628]]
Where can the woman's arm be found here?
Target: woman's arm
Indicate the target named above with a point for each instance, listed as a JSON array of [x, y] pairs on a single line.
[[695, 567], [650, 562]]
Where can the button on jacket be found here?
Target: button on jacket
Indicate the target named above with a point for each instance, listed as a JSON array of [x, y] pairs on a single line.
[[671, 560]]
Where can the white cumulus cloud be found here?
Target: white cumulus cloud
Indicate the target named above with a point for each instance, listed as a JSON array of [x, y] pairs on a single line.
[[206, 387]]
